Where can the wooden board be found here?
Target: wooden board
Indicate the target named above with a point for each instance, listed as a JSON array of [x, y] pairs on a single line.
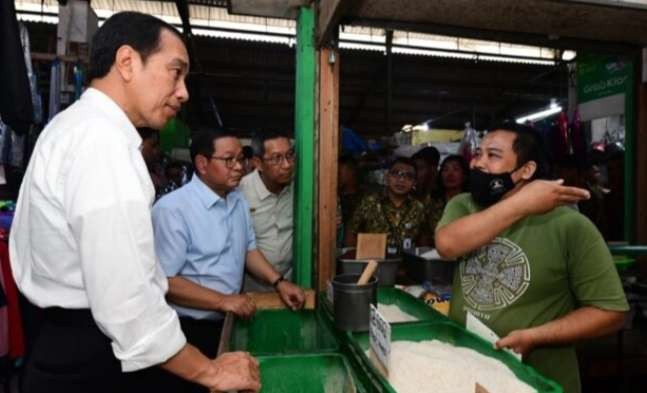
[[371, 245], [272, 300], [227, 326], [480, 389]]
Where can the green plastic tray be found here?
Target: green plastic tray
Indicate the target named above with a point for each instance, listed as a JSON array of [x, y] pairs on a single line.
[[394, 296], [274, 332], [320, 373], [409, 304], [455, 335], [623, 262]]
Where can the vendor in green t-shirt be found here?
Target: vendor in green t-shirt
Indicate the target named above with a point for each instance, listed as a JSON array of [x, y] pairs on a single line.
[[536, 272]]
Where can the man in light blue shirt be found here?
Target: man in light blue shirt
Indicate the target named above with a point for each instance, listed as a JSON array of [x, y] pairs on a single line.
[[205, 240]]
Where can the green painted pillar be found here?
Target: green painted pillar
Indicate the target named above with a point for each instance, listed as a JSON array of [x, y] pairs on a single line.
[[304, 123], [630, 157]]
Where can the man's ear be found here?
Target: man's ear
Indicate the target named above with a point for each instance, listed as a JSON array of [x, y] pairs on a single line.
[[201, 163], [528, 170], [125, 60]]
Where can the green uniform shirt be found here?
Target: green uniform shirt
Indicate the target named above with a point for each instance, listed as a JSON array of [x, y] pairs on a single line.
[[538, 270], [377, 214]]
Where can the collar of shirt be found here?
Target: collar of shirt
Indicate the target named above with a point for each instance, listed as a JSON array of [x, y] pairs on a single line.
[[386, 201], [110, 108], [260, 188], [209, 198]]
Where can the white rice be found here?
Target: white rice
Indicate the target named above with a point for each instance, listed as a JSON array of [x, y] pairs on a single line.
[[393, 314], [434, 366]]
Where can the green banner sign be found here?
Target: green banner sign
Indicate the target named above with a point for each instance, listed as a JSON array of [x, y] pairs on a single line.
[[599, 77]]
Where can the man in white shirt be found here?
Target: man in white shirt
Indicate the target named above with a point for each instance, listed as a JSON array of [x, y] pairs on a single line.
[[82, 240], [269, 192]]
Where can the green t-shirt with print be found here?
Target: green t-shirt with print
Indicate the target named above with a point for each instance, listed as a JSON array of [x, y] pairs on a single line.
[[538, 270]]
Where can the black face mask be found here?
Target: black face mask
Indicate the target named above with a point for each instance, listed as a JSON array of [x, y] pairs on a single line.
[[488, 188]]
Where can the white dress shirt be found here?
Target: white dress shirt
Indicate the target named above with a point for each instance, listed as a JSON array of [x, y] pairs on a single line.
[[82, 235], [272, 215]]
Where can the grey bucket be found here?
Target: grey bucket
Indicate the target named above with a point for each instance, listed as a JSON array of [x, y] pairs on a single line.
[[351, 302]]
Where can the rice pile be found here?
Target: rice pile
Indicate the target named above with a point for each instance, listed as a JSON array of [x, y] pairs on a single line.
[[434, 366], [393, 314]]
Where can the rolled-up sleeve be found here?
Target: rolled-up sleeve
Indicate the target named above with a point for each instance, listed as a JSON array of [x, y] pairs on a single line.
[[106, 206], [171, 238]]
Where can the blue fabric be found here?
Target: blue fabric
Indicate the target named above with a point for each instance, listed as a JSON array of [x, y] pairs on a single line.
[[352, 142], [203, 238]]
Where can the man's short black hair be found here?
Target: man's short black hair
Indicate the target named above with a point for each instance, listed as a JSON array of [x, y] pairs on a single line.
[[259, 139], [404, 161], [528, 146], [203, 141], [140, 31], [429, 154], [248, 152]]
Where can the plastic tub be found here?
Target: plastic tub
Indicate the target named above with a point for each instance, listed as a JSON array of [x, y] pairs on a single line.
[[316, 373], [351, 302], [437, 271], [272, 332], [410, 305], [453, 334]]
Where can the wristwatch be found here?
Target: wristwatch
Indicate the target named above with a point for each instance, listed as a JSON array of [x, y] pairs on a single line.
[[277, 281]]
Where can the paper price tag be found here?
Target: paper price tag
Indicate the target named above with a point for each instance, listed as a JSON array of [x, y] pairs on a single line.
[[380, 337], [474, 325]]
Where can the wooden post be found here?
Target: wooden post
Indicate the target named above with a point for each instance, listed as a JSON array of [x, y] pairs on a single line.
[[328, 155]]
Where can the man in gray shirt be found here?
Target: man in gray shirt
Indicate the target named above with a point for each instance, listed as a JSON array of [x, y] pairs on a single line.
[[269, 192]]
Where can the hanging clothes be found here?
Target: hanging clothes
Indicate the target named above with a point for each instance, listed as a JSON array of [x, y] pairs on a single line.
[[12, 147], [561, 143], [4, 319], [4, 131], [16, 106], [16, 334], [578, 138], [78, 81], [36, 99], [54, 90]]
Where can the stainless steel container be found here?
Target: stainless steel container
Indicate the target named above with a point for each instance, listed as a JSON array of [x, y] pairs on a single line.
[[351, 302]]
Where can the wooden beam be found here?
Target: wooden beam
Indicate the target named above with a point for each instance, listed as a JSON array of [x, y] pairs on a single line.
[[328, 123], [329, 13]]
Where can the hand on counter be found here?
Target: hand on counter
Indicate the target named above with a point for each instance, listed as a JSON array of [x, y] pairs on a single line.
[[235, 371], [292, 295], [240, 305]]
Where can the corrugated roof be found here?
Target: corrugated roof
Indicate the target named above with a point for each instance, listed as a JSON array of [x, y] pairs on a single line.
[[217, 22]]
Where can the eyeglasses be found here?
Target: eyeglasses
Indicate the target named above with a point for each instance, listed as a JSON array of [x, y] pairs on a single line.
[[403, 175], [230, 162], [277, 159]]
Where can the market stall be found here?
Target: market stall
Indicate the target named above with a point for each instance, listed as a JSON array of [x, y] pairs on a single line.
[[311, 350]]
